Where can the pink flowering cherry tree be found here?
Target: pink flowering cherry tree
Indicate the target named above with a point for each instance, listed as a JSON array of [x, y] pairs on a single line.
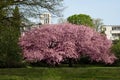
[[55, 43]]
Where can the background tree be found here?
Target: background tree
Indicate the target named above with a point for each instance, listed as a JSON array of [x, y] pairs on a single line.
[[116, 49], [81, 19], [56, 43], [98, 24], [62, 20], [16, 16]]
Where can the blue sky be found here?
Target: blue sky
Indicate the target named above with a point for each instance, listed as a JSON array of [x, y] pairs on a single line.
[[108, 10]]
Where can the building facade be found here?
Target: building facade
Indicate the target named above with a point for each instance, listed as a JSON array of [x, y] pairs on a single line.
[[45, 18], [112, 31]]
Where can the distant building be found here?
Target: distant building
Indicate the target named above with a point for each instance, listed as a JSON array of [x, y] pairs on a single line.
[[45, 18], [112, 31]]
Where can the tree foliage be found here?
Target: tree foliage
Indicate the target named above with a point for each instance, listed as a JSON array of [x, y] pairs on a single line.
[[16, 17], [81, 19], [9, 34], [116, 48], [33, 7], [10, 52], [56, 43]]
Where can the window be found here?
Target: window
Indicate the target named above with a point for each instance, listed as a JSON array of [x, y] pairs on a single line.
[[116, 35], [116, 28]]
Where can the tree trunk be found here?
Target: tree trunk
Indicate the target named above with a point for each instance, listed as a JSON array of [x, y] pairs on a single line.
[[70, 62]]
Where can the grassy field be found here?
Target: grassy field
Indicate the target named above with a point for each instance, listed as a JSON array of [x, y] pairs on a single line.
[[84, 73]]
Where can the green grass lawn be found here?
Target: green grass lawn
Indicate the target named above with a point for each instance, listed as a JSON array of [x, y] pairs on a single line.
[[80, 73]]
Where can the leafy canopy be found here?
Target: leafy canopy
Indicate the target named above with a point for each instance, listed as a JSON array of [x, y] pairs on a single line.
[[33, 7], [81, 19]]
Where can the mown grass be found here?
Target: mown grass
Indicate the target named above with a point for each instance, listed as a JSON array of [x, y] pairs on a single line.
[[84, 73]]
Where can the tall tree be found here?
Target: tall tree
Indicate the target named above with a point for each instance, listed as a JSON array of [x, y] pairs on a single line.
[[17, 19], [81, 19], [10, 52], [16, 16]]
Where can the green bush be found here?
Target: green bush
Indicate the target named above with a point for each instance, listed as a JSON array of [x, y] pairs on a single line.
[[116, 50]]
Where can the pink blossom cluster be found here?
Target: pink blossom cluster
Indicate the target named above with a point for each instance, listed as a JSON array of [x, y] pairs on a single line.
[[55, 43]]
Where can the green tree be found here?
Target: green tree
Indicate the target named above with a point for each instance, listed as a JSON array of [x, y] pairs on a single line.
[[16, 16], [10, 52], [17, 19], [116, 48], [81, 19]]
